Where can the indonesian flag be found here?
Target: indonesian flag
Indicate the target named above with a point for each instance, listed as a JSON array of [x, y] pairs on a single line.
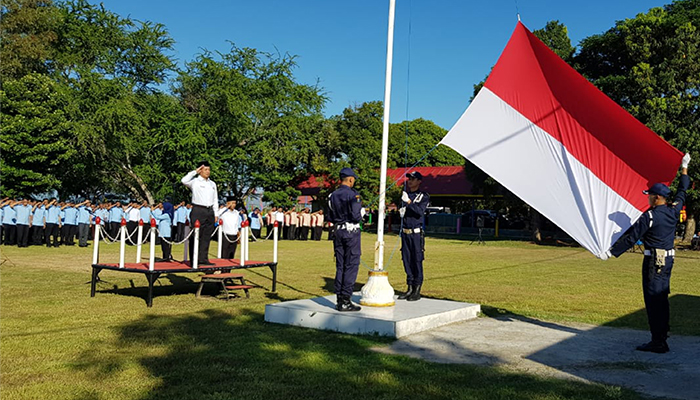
[[561, 145]]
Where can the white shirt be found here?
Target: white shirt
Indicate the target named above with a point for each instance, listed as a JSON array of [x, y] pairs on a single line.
[[204, 191], [319, 219], [279, 217], [134, 214], [231, 220]]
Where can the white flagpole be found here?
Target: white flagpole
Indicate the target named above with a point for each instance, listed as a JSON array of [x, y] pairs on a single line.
[[378, 291], [379, 248]]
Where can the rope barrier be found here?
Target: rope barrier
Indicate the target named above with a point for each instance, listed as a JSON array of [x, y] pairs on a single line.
[[143, 240], [225, 236], [174, 242]]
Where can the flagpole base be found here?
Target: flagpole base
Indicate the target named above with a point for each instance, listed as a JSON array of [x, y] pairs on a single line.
[[377, 292]]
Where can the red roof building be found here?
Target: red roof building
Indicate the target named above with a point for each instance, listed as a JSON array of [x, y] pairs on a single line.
[[450, 181]]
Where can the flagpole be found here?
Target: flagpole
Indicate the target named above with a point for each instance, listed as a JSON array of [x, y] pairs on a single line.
[[378, 292]]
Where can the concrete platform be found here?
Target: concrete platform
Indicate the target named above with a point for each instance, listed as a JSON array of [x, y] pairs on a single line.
[[403, 319]]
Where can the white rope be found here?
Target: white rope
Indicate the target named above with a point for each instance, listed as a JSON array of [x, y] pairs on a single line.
[[143, 240], [174, 243], [225, 236], [108, 239]]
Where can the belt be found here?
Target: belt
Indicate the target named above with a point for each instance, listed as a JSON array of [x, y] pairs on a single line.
[[412, 230], [666, 253], [205, 207], [349, 226]]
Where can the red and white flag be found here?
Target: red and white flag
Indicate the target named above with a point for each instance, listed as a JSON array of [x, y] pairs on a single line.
[[561, 145]]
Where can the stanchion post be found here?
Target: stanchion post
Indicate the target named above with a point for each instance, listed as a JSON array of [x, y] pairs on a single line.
[[140, 239], [274, 240], [186, 242], [195, 252], [122, 244], [244, 242], [459, 224], [96, 243], [221, 237], [152, 255]]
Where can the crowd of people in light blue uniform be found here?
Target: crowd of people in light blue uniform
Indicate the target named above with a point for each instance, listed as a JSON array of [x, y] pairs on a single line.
[[52, 223]]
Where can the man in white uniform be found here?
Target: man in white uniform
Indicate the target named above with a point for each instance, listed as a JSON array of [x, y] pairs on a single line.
[[231, 220], [205, 205]]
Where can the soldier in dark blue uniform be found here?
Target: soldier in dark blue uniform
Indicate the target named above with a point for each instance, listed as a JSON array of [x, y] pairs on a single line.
[[656, 228], [346, 213], [413, 205]]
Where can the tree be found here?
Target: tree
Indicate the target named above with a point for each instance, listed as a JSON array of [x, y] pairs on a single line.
[[651, 66], [35, 135], [27, 36], [111, 64], [412, 142], [260, 127]]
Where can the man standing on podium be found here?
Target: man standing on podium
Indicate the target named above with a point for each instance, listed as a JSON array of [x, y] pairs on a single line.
[[205, 205]]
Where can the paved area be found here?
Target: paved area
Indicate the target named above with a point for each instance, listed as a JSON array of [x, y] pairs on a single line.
[[572, 351]]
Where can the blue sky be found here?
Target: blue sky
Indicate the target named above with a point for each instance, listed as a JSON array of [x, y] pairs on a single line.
[[450, 46]]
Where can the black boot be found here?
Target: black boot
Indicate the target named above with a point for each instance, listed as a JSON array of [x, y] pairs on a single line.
[[407, 294], [655, 346], [416, 294], [344, 304]]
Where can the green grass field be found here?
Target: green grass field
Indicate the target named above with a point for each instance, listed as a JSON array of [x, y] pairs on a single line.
[[58, 343]]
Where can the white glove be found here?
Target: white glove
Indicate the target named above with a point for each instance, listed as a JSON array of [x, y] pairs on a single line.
[[418, 198], [686, 160], [402, 211], [405, 198], [604, 256], [363, 212]]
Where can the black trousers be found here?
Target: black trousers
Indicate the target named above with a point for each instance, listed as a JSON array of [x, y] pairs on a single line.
[[346, 246], [205, 216], [131, 227], [114, 229], [304, 235], [228, 249], [51, 232], [167, 249], [37, 234], [68, 233], [318, 231], [10, 234], [656, 282], [255, 232], [180, 232], [412, 255], [292, 232], [22, 235]]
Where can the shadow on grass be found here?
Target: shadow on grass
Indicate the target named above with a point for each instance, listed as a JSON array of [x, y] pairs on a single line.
[[684, 316], [481, 271], [215, 354]]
